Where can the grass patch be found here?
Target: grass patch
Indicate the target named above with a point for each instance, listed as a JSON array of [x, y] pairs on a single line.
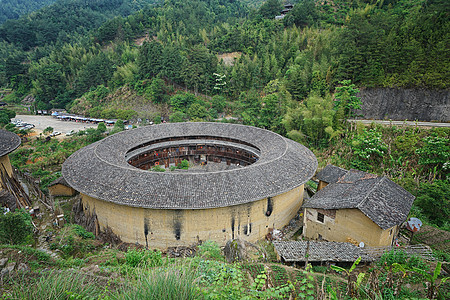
[[56, 285], [172, 282]]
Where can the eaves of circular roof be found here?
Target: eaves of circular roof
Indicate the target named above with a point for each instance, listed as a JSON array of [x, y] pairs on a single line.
[[101, 170], [8, 142]]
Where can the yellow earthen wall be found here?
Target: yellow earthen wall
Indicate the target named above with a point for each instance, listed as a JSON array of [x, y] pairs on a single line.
[[349, 225], [5, 161], [167, 228], [321, 185], [61, 190]]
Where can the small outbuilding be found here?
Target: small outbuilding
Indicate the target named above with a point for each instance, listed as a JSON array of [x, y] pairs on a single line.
[[312, 251], [60, 187], [329, 174], [359, 208]]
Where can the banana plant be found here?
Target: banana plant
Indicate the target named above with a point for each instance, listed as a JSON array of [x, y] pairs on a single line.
[[432, 283], [351, 286]]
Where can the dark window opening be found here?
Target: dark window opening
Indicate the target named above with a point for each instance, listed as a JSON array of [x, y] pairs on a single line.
[[320, 217]]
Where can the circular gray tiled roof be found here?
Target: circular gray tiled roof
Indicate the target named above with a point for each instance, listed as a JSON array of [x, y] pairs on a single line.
[[101, 170], [8, 142]]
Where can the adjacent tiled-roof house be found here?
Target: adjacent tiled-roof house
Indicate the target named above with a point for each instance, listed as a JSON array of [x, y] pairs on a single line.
[[329, 174], [359, 207], [60, 187]]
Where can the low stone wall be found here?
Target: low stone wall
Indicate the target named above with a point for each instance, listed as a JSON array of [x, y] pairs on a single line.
[[405, 104]]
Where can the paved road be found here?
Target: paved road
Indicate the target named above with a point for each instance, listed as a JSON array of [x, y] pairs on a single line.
[[408, 123], [42, 122]]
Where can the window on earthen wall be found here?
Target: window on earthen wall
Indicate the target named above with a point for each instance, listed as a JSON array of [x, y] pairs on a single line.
[[320, 217]]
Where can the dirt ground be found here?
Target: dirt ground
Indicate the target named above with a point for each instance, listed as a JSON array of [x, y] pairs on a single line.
[[228, 58], [42, 122]]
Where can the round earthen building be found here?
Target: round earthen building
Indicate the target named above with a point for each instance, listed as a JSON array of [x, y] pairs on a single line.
[[241, 181]]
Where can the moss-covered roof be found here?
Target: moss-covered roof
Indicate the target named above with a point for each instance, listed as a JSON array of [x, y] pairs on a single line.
[[101, 170]]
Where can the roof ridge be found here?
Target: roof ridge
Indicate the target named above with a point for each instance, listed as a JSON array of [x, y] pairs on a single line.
[[369, 192]]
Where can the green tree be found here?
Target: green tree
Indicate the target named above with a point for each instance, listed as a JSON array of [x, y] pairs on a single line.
[[434, 201], [182, 101], [435, 153], [149, 59], [48, 130], [346, 99], [101, 127], [48, 82], [197, 111], [118, 126], [218, 103], [368, 148], [158, 90], [303, 14], [270, 9], [98, 71], [177, 117], [6, 115], [311, 121]]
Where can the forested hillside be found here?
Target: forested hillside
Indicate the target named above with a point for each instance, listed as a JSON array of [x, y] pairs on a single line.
[[315, 46], [13, 9], [62, 20]]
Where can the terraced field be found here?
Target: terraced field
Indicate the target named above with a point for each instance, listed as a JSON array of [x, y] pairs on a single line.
[[436, 238]]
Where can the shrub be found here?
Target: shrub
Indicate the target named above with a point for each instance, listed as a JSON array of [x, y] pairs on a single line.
[[210, 250], [393, 256], [83, 233], [319, 269], [15, 227], [183, 165], [150, 258], [48, 130], [158, 169], [73, 240]]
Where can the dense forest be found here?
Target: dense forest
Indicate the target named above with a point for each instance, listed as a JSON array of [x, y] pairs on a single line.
[[13, 9], [400, 43]]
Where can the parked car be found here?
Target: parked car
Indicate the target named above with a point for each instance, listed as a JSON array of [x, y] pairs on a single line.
[[69, 133], [55, 133]]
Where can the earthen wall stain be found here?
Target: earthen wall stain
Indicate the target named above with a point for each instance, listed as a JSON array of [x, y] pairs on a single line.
[[162, 228]]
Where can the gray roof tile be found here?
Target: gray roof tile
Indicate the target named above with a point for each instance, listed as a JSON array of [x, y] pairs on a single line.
[[295, 251], [101, 169], [331, 174], [8, 142]]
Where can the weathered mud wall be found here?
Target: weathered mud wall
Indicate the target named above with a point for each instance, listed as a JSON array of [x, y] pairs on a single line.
[[405, 104]]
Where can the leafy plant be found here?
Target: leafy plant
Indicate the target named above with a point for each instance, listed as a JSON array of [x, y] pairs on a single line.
[[210, 250], [306, 288], [432, 285], [351, 285], [142, 257]]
